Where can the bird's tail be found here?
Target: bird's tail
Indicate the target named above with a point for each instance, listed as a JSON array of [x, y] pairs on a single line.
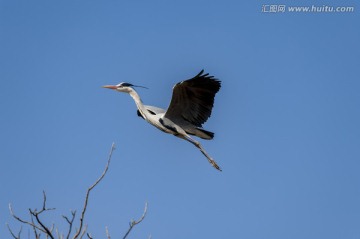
[[204, 134]]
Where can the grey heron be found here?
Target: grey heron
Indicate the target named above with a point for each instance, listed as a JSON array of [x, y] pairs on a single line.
[[190, 107]]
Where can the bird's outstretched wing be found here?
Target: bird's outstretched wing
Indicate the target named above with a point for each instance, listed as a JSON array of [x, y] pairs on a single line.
[[193, 99]]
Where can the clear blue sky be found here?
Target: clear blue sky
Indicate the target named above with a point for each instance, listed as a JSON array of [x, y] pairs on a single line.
[[286, 118]]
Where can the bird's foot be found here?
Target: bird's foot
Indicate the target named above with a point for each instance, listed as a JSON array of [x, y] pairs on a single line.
[[214, 164]]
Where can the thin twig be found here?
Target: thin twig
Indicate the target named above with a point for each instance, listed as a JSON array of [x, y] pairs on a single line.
[[34, 228], [44, 202], [47, 230], [88, 193], [134, 223], [84, 231], [12, 234], [70, 222], [52, 228], [59, 236], [23, 221], [107, 233], [36, 214]]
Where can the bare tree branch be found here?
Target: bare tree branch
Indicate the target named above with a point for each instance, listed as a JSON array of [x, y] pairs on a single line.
[[37, 236], [79, 231], [84, 231], [35, 213], [70, 222], [32, 224], [107, 233], [59, 236], [12, 233], [40, 229], [47, 230], [52, 228], [134, 223]]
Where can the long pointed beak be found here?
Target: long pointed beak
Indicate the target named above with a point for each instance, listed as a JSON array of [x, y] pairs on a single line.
[[112, 87]]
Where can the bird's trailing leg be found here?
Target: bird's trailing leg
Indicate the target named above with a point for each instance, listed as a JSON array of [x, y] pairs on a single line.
[[198, 145]]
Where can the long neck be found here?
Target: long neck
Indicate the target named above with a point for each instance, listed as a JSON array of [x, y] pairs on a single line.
[[139, 103]]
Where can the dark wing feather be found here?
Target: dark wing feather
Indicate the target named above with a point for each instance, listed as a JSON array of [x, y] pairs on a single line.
[[193, 99]]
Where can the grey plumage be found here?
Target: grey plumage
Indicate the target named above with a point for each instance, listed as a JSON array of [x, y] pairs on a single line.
[[190, 107]]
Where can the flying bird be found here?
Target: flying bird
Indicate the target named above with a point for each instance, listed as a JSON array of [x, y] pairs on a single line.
[[190, 107]]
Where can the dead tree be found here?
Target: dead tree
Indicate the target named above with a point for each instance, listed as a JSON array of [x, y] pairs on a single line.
[[41, 230]]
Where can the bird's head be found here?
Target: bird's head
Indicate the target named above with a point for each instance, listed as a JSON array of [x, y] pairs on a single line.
[[123, 87]]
